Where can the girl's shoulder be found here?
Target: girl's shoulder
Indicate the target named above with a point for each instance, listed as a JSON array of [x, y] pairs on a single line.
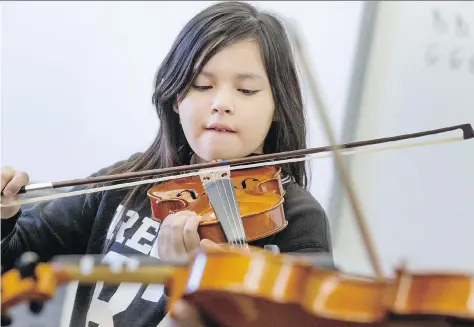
[[308, 225], [296, 195]]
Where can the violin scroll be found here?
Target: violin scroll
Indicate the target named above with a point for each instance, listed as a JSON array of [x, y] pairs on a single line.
[[26, 266], [27, 283]]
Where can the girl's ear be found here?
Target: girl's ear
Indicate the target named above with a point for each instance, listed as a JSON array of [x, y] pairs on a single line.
[[177, 100], [274, 119], [175, 105]]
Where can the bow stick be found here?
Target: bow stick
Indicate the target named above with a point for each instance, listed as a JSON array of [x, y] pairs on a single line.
[[242, 163]]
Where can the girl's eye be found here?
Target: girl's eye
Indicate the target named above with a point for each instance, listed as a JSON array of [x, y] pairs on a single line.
[[202, 87], [206, 87], [248, 92]]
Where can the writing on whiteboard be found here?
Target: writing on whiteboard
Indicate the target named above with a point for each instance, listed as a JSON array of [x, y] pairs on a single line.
[[457, 55]]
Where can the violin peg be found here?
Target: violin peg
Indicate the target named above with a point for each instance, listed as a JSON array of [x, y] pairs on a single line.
[[6, 320], [36, 306], [27, 264]]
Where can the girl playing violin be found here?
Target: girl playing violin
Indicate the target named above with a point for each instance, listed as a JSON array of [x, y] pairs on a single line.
[[228, 88]]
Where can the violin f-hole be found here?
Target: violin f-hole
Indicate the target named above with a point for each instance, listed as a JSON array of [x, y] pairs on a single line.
[[167, 207], [244, 182], [191, 192]]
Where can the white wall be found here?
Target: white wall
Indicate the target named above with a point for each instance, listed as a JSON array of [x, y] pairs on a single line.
[[77, 78], [418, 201]]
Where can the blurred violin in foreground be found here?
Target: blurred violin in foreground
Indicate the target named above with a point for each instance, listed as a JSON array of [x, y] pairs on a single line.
[[257, 288]]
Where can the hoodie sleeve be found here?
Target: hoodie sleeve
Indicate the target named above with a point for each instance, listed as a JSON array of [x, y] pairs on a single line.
[[56, 227]]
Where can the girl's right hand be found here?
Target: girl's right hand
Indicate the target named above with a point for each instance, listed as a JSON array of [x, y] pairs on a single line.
[[12, 181], [178, 235]]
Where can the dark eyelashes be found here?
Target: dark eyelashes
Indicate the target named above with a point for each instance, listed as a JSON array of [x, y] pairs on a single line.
[[243, 91], [201, 88]]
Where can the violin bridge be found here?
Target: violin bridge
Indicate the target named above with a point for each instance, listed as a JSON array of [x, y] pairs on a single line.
[[221, 192], [213, 174]]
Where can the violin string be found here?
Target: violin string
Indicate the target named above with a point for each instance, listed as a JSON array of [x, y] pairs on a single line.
[[8, 202], [231, 217], [223, 204], [239, 221], [237, 230]]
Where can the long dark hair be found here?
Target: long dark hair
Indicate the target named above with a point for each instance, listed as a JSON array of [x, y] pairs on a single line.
[[211, 30]]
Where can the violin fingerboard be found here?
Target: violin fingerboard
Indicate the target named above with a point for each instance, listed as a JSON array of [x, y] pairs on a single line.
[[223, 199]]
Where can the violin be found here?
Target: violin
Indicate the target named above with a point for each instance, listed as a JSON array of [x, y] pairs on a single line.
[[255, 288], [238, 208]]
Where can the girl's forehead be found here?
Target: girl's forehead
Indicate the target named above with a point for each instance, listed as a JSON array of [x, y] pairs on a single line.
[[243, 60]]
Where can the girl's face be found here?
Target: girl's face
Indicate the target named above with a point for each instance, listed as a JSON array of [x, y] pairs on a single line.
[[229, 109]]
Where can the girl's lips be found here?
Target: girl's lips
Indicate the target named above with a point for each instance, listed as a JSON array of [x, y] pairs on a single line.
[[219, 130], [220, 127]]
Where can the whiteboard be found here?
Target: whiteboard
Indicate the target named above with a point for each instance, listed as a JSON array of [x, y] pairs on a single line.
[[418, 202]]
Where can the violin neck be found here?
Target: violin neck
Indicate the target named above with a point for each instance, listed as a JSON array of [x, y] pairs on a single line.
[[130, 270], [147, 275]]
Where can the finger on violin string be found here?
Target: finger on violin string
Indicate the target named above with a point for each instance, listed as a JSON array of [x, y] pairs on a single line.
[[178, 235], [190, 234]]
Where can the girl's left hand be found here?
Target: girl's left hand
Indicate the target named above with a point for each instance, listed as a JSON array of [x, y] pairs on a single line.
[[184, 314], [187, 315]]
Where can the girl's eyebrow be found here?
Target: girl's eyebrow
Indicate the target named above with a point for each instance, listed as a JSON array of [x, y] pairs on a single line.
[[240, 76]]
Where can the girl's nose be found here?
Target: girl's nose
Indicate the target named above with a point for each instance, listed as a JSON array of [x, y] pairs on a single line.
[[222, 104]]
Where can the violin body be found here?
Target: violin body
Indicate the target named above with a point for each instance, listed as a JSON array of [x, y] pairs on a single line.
[[260, 289], [259, 197], [255, 288], [434, 294], [332, 295], [245, 288]]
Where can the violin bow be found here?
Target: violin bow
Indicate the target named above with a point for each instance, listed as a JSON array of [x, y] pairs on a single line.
[[165, 174]]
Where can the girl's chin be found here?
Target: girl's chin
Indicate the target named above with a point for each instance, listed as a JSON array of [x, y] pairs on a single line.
[[219, 154]]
